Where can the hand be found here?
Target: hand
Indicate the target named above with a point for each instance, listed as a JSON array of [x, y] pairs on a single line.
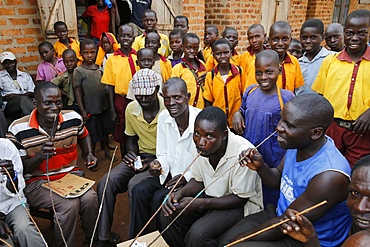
[[299, 227], [251, 158], [238, 123], [169, 206], [185, 202], [85, 117], [155, 168], [46, 149], [362, 124], [129, 159], [8, 164], [4, 230], [91, 162], [201, 79], [173, 180]]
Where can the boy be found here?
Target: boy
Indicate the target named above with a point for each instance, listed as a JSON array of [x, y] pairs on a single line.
[[119, 70], [224, 86], [295, 48], [51, 66], [91, 97], [210, 36], [231, 35], [150, 22], [162, 66], [64, 81], [177, 54], [312, 33], [291, 76], [334, 37], [343, 79], [64, 42], [192, 70], [181, 22]]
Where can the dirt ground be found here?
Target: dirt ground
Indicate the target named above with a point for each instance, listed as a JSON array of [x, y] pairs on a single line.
[[121, 212]]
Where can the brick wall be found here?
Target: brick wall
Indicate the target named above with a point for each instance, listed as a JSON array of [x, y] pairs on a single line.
[[20, 31], [195, 11], [322, 9], [297, 15], [355, 5]]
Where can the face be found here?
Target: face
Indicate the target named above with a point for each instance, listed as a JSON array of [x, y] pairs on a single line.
[[147, 101], [70, 61], [334, 39], [279, 40], [176, 43], [207, 137], [10, 65], [181, 24], [106, 45], [46, 53], [125, 37], [267, 73], [145, 59], [191, 48], [175, 100], [232, 37], [88, 53], [100, 3], [311, 40], [358, 200], [222, 54], [62, 32], [295, 49], [49, 104], [210, 36], [256, 38], [152, 41], [149, 21], [356, 34]]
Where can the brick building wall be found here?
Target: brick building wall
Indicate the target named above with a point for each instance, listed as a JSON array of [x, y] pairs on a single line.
[[195, 11], [20, 30]]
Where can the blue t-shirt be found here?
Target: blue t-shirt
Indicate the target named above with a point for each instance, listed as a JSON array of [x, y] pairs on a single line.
[[332, 229]]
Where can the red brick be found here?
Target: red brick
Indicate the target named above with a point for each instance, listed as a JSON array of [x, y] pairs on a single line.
[[29, 59], [13, 2], [27, 11], [32, 48], [25, 40], [6, 11], [18, 50], [2, 22], [5, 41], [21, 21], [10, 32], [31, 30]]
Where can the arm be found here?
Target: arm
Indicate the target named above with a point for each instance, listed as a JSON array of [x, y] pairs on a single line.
[[238, 122], [111, 103], [362, 124], [31, 164], [78, 94], [86, 147], [115, 13]]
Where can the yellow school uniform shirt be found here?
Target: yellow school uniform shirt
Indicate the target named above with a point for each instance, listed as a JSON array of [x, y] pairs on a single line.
[[164, 50], [207, 51], [166, 68], [345, 84], [290, 77], [73, 44], [185, 71], [225, 95], [247, 62], [212, 63], [119, 70]]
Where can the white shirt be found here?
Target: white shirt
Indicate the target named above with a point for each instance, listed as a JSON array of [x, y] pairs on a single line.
[[175, 152], [9, 200]]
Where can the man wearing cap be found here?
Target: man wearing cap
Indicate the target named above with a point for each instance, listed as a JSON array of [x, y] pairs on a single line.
[[175, 151], [141, 129], [16, 88]]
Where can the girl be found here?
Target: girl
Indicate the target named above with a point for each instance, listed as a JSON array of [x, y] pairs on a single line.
[[107, 46], [51, 66]]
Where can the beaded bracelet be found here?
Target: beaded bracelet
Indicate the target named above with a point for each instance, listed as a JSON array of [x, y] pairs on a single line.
[[15, 176]]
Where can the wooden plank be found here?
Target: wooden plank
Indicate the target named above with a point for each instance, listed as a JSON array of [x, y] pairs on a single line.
[[170, 8], [53, 14]]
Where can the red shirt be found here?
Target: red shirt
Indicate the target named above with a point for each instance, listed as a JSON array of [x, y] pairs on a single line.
[[99, 20]]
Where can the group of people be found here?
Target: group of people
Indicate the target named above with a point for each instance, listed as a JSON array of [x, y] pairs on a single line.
[[171, 104]]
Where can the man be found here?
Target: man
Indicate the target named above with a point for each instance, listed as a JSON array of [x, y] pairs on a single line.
[[334, 37], [13, 217], [47, 141], [141, 130], [181, 22], [137, 10], [175, 150], [237, 192], [16, 88], [312, 171]]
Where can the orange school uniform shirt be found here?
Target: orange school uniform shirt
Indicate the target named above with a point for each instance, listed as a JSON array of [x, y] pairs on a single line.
[[186, 72], [207, 51], [119, 70], [226, 95], [166, 68], [211, 62], [247, 62], [73, 44], [290, 77]]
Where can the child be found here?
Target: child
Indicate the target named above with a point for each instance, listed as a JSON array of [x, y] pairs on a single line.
[[107, 46], [64, 81], [312, 34], [295, 48], [224, 86], [91, 97], [210, 36], [256, 121], [64, 42], [181, 22], [334, 37], [177, 54], [162, 66], [192, 70], [343, 80], [118, 73], [51, 66], [231, 35]]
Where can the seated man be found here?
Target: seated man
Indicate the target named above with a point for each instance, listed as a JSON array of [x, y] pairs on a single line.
[[16, 88], [236, 194], [312, 170], [141, 130], [38, 136], [13, 217]]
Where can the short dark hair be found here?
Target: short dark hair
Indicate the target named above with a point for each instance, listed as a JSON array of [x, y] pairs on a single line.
[[182, 17], [215, 115], [220, 42], [149, 11], [359, 13], [190, 35], [46, 43], [363, 162], [178, 82], [280, 24], [59, 23], [140, 51], [86, 42], [215, 29], [68, 52], [296, 41], [177, 31], [315, 23], [269, 54], [229, 29], [257, 25], [42, 85], [153, 33]]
